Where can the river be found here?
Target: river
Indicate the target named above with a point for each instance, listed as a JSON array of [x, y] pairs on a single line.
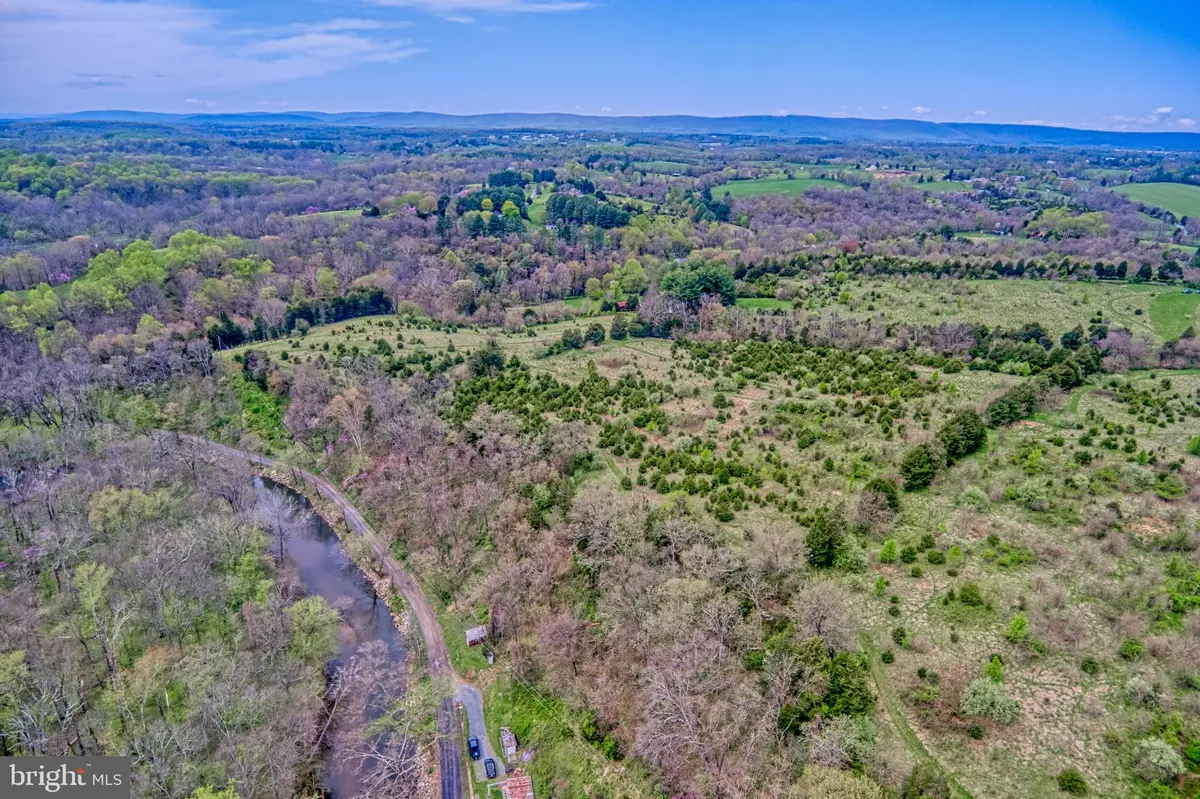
[[326, 570]]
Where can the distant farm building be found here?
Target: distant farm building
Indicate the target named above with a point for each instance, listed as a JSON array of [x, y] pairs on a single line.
[[475, 635], [518, 786]]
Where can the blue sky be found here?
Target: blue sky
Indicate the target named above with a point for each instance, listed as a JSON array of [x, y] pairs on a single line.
[[1117, 64]]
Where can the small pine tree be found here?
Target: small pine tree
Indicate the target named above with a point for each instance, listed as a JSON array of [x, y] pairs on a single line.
[[620, 327], [1072, 782], [825, 531], [918, 468], [888, 553]]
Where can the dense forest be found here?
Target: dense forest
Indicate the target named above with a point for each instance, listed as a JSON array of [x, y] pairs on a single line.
[[769, 468]]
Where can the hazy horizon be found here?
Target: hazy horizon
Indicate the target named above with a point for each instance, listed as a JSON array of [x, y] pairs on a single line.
[[1108, 65]]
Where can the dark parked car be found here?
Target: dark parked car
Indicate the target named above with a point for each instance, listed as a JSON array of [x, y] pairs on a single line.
[[489, 766], [473, 747]]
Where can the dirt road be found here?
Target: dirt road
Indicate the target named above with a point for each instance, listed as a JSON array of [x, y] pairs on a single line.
[[449, 749]]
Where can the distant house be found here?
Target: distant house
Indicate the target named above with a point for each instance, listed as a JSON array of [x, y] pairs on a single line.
[[475, 635], [518, 786], [508, 742]]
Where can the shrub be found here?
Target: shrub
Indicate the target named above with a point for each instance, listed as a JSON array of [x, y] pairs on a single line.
[[975, 732], [1140, 692], [987, 699], [936, 557], [1089, 666], [973, 497], [1018, 402], [925, 782], [1018, 629], [595, 334], [1132, 649], [1031, 495], [1193, 446], [918, 468], [1170, 486], [926, 694], [572, 339], [822, 782], [899, 635], [888, 490], [888, 656], [971, 594], [994, 670], [888, 553], [851, 556], [908, 555], [1072, 782], [1157, 761], [963, 434], [916, 571]]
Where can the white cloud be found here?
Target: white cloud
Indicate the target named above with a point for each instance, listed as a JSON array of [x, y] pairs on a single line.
[[1186, 122], [133, 52], [461, 19], [920, 109], [272, 103], [96, 80], [196, 101], [343, 24], [979, 113], [1032, 122], [605, 109], [885, 108], [444, 7], [1156, 118]]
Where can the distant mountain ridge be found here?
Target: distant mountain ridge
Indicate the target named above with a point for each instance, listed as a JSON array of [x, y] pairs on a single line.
[[833, 129]]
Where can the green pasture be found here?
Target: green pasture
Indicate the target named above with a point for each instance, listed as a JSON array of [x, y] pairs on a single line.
[[776, 185], [1180, 199]]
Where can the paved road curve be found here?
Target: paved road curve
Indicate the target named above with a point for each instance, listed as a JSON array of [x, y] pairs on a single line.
[[449, 749]]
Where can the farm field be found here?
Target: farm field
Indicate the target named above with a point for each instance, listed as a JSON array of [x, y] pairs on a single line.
[[1180, 199], [942, 186], [1172, 312], [777, 185], [537, 209], [1008, 303], [661, 166], [763, 303], [348, 212]]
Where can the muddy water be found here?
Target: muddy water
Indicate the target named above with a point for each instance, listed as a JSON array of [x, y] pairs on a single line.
[[327, 571]]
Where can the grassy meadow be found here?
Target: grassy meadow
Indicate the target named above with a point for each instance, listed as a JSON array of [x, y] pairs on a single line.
[[776, 185], [1157, 312], [1180, 199]]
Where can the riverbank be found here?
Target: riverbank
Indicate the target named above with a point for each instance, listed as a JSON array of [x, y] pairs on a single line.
[[398, 607]]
